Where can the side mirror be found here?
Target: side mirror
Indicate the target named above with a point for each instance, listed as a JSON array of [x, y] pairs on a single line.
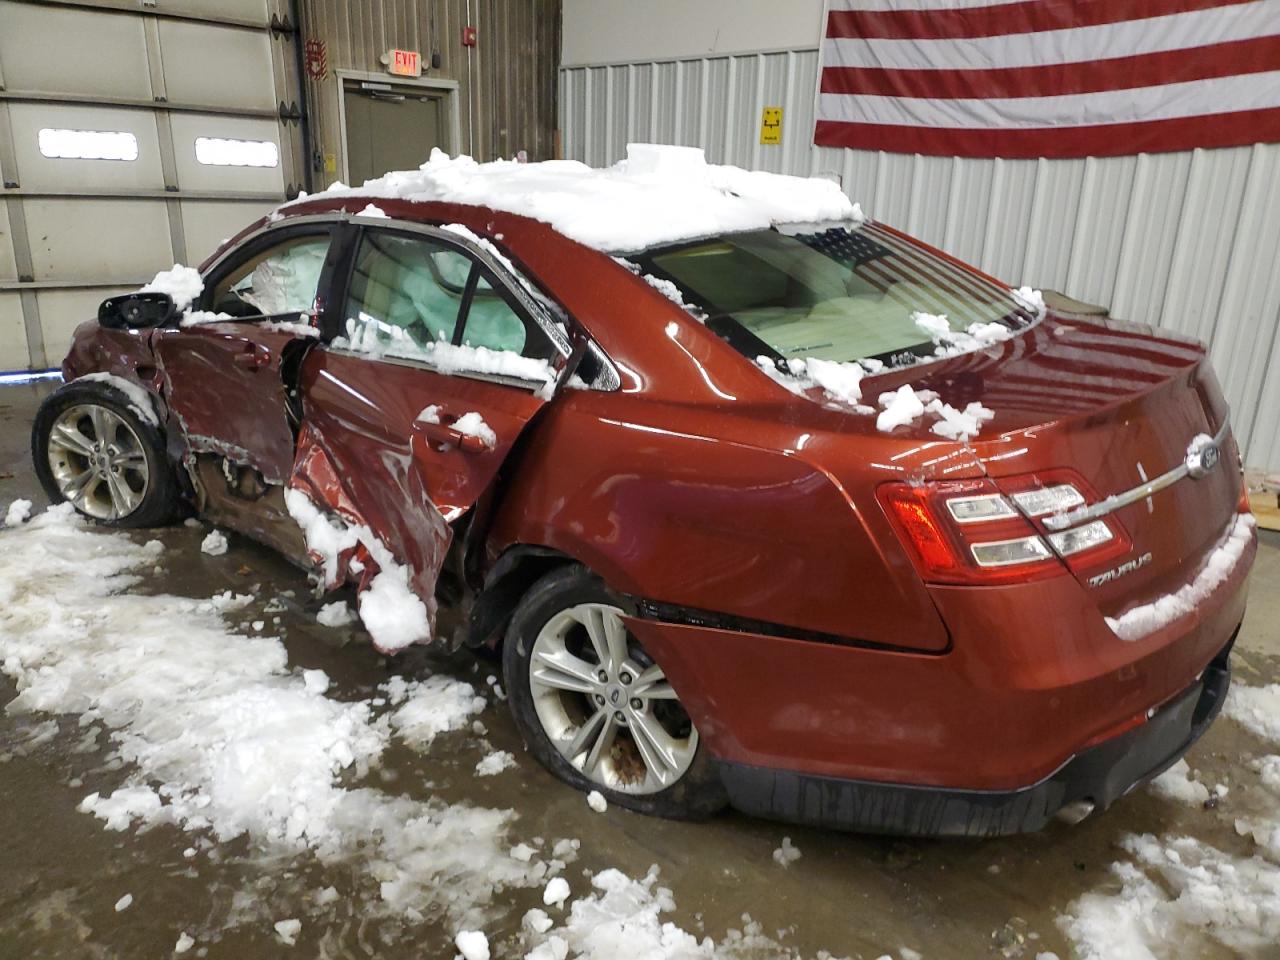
[[136, 311]]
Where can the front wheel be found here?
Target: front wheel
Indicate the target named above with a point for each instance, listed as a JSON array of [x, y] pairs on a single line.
[[593, 706], [91, 449]]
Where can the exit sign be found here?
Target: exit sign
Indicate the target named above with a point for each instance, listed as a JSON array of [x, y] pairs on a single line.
[[404, 63]]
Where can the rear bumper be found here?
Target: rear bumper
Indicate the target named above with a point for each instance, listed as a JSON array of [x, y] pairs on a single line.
[[1098, 775]]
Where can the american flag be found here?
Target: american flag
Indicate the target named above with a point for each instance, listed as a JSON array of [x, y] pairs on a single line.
[[1048, 78]]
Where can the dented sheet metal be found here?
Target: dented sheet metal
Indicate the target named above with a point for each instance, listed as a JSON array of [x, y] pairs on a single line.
[[223, 386]]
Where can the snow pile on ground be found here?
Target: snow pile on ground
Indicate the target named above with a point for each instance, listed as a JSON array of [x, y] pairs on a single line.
[[1176, 784], [494, 763], [786, 854], [221, 737], [140, 401], [472, 944], [1179, 896], [215, 544], [336, 614], [394, 616], [1257, 709], [1202, 895], [181, 283], [621, 919], [1147, 618], [18, 513], [430, 707], [659, 194]]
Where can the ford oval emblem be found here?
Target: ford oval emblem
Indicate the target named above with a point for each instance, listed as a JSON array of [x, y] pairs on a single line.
[[1204, 461]]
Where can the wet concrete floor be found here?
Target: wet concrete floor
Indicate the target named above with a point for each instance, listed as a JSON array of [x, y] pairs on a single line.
[[61, 872]]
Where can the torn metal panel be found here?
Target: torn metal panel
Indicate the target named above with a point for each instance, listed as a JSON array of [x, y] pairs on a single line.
[[223, 384]]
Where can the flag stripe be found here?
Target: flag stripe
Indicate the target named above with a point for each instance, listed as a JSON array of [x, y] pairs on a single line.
[[1099, 140], [1184, 31], [1171, 101], [1254, 55], [1028, 16]]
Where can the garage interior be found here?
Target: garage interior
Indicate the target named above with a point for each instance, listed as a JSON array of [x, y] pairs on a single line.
[[140, 134]]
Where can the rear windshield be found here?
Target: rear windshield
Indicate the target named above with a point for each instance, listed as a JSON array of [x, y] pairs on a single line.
[[836, 293]]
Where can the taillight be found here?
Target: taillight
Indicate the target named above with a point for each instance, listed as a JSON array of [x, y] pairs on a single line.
[[975, 531], [967, 531]]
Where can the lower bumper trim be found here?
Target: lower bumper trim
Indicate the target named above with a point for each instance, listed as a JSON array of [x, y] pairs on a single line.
[[1099, 775]]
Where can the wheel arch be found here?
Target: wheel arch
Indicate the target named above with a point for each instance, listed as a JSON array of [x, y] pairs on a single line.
[[519, 567]]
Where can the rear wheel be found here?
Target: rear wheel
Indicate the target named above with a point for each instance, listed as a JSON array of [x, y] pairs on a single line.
[[593, 706], [90, 449]]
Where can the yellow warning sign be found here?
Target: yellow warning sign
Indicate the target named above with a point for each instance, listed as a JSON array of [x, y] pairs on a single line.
[[771, 125]]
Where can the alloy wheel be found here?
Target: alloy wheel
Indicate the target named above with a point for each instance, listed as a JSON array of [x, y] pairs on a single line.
[[98, 462], [605, 706]]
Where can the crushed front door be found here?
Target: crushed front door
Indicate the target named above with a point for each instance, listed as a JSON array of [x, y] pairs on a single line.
[[407, 423], [222, 377]]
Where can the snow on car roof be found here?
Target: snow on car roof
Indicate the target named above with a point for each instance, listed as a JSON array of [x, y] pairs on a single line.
[[658, 195]]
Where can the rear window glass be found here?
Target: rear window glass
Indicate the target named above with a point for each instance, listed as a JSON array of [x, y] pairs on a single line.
[[836, 293]]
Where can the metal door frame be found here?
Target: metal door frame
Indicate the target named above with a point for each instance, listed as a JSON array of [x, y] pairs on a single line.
[[453, 125]]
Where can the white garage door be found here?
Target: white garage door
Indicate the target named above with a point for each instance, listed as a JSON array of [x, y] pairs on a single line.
[[132, 136]]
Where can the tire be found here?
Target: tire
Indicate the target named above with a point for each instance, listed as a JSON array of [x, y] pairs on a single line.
[[551, 620], [132, 482]]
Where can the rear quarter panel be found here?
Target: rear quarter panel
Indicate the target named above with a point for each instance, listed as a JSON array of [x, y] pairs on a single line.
[[682, 516]]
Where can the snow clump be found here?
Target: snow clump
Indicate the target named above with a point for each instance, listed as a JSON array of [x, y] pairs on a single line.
[[495, 763], [786, 854], [336, 614], [659, 194], [215, 544], [18, 513], [182, 283], [597, 802]]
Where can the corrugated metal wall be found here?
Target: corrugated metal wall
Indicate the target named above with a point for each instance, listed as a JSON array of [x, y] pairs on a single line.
[[1184, 240], [507, 82]]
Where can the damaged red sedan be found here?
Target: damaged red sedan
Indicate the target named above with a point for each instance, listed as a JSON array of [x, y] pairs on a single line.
[[763, 503]]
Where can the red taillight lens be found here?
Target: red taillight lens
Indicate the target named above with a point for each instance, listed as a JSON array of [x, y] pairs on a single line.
[[966, 531], [909, 506]]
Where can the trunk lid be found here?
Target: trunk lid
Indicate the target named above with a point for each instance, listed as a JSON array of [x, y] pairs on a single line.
[[1113, 405]]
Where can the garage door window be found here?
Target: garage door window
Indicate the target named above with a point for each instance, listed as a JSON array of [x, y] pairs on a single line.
[[222, 152], [279, 280], [60, 144]]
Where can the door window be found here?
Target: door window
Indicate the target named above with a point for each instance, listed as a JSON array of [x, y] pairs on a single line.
[[412, 296], [279, 279]]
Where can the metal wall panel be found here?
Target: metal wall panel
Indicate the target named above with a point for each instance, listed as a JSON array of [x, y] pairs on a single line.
[[37, 172], [8, 265], [64, 310], [224, 66], [1186, 240], [13, 335], [103, 240], [209, 222], [248, 11], [96, 54]]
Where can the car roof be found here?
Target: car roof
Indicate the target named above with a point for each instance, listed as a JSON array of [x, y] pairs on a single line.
[[659, 195]]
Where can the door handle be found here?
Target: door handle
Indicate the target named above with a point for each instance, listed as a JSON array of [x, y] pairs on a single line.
[[254, 356], [441, 433]]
